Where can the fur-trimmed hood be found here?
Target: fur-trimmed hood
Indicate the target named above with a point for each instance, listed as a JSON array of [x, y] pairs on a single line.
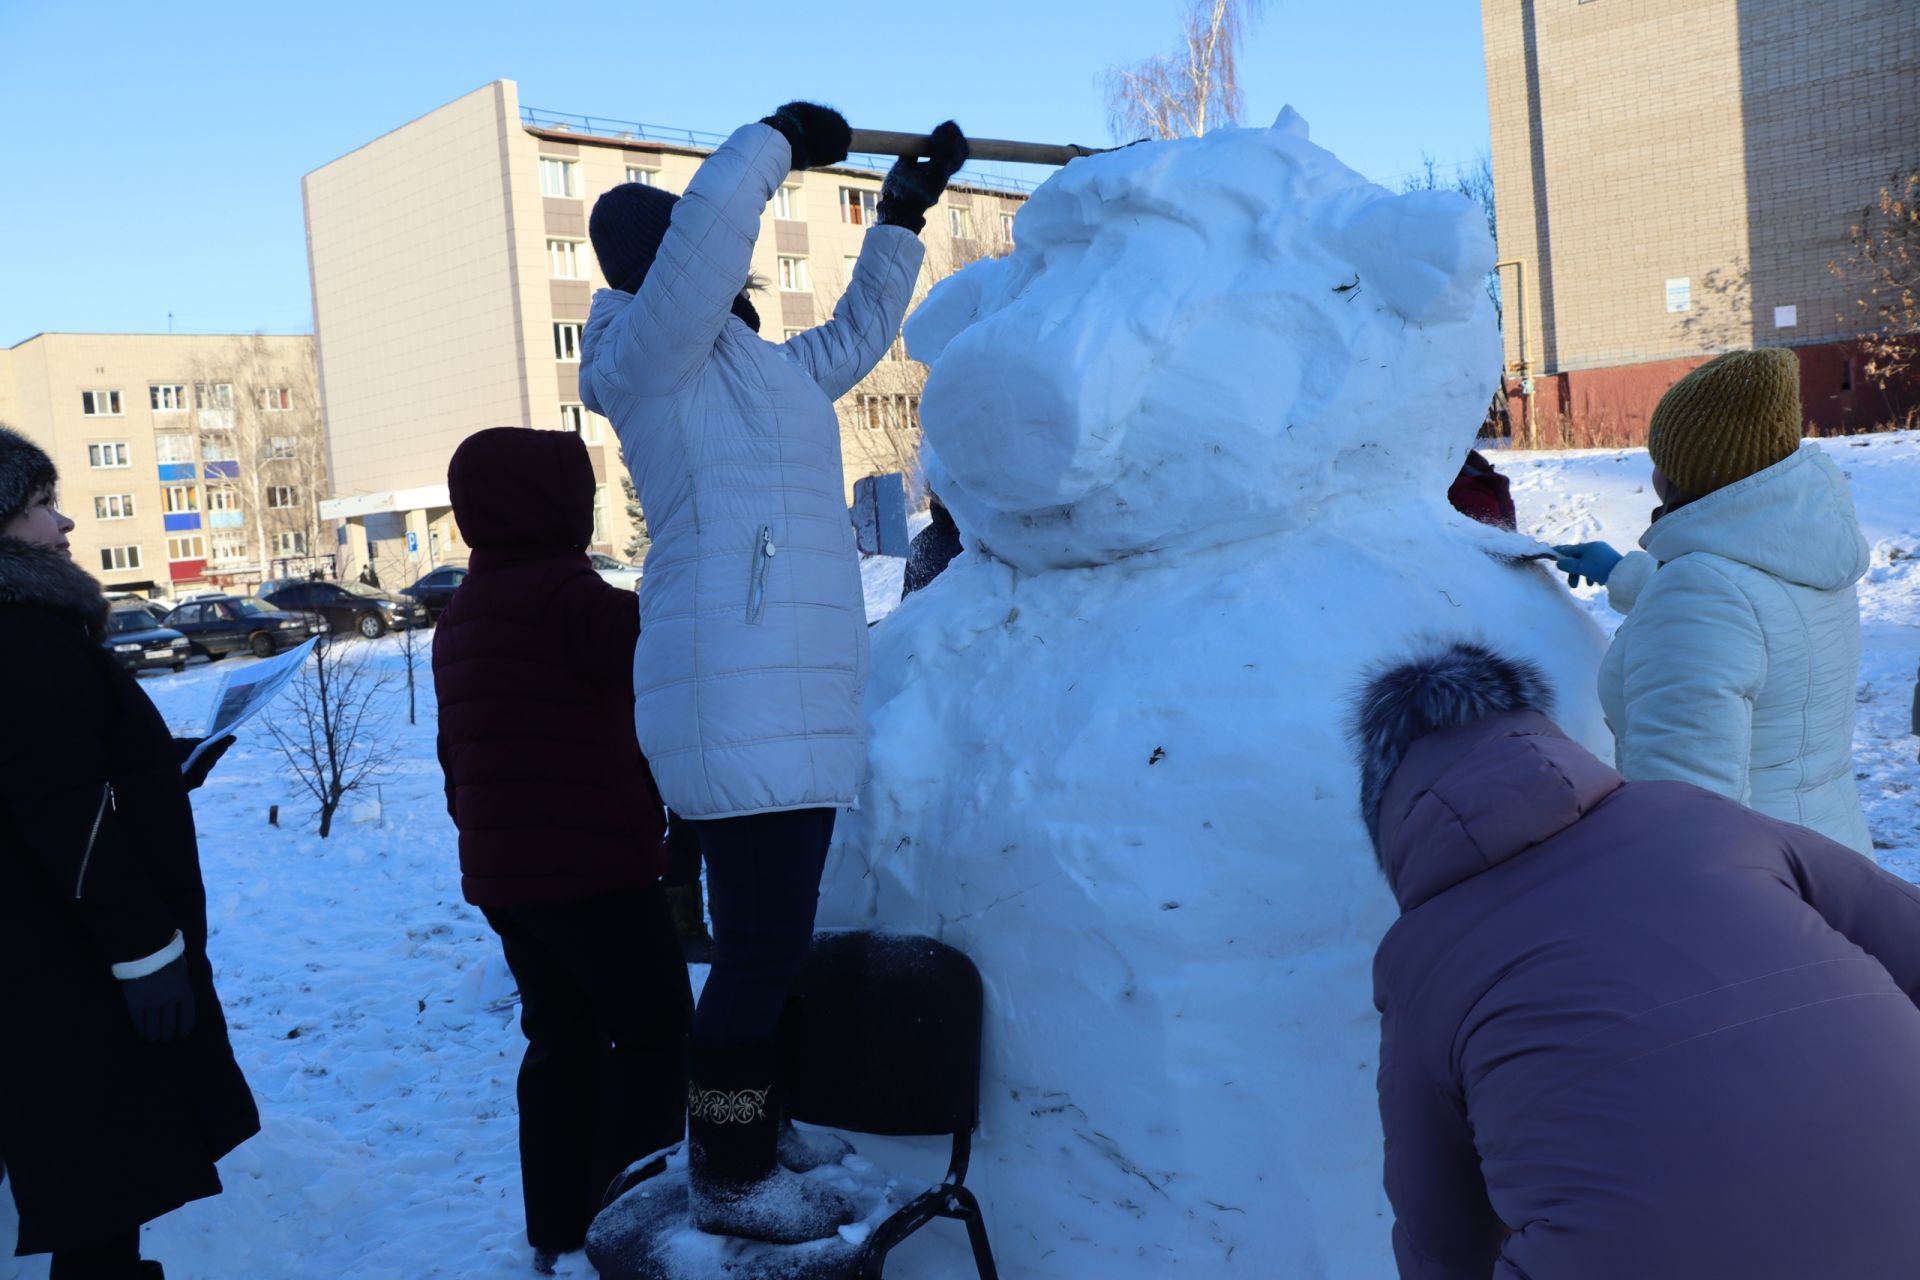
[[1461, 769], [40, 577]]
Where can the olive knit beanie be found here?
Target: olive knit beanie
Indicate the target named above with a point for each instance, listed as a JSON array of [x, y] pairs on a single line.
[[1735, 415], [25, 469]]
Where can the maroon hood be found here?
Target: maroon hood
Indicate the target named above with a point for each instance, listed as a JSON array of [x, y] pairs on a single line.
[[515, 487], [1469, 798]]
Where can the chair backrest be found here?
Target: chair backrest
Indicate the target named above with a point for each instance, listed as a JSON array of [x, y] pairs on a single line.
[[888, 1035]]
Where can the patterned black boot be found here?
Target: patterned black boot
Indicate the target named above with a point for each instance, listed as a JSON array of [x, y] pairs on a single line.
[[738, 1188]]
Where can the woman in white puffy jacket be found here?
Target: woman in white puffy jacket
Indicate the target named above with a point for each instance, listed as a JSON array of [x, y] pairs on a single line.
[[1736, 667], [753, 639]]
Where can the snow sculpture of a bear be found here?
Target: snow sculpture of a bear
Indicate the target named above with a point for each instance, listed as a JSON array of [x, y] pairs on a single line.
[[1197, 430]]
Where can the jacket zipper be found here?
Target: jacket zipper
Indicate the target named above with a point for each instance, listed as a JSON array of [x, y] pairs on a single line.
[[99, 816], [763, 551]]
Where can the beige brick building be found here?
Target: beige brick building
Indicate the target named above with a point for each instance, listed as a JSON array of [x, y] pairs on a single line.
[[185, 460], [452, 276], [1673, 177]]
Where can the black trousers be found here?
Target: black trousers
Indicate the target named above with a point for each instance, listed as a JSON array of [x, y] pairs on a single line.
[[117, 1259], [763, 883], [605, 1007]]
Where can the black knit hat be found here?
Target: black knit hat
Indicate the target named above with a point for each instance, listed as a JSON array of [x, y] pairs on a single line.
[[627, 226], [25, 469]]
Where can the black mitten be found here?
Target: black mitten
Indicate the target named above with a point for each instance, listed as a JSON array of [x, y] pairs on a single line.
[[197, 775], [818, 135], [913, 185], [161, 1003]]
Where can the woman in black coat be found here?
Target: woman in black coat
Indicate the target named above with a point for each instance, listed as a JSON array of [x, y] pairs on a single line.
[[118, 1089]]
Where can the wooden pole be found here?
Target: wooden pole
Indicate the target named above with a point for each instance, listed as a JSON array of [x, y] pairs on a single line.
[[882, 142]]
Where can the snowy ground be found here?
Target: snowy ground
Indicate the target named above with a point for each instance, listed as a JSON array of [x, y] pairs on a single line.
[[367, 1000]]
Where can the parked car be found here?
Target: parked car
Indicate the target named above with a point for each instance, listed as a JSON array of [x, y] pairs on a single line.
[[216, 626], [435, 589], [155, 609], [348, 607], [138, 645], [618, 572]]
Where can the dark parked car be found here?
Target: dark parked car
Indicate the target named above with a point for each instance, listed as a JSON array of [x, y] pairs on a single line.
[[155, 609], [219, 625], [436, 589], [348, 607], [138, 645]]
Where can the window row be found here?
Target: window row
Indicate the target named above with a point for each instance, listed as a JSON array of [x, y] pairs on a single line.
[[562, 177], [175, 447], [890, 413], [172, 397]]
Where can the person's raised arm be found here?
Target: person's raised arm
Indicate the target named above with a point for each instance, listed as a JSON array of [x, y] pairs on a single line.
[[660, 341], [867, 317]]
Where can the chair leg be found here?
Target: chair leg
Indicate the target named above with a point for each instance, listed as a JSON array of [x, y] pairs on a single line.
[[969, 1213]]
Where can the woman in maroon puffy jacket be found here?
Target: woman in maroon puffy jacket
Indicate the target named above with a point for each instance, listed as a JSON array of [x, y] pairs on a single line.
[[560, 825], [1628, 1029]]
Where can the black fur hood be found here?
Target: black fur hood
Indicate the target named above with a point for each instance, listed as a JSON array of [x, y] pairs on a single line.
[[1446, 685], [42, 577]]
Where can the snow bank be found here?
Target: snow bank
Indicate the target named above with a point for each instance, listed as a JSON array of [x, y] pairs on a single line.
[[1202, 422]]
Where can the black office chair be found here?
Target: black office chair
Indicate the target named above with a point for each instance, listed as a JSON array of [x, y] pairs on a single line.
[[887, 1033]]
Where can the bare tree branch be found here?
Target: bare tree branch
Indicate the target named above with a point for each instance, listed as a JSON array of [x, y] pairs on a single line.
[[1882, 268], [328, 725], [1194, 90]]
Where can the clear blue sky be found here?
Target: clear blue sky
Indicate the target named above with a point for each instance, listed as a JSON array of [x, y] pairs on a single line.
[[152, 153]]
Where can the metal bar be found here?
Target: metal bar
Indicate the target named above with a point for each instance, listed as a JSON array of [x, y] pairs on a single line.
[[881, 142]]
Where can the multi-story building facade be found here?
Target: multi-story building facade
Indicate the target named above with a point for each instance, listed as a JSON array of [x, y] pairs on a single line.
[[452, 276], [186, 460], [1673, 178]]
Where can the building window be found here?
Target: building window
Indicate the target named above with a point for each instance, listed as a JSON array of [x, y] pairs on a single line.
[[557, 177], [590, 427], [226, 548], [282, 497], [217, 449], [171, 446], [178, 499], [644, 176], [960, 223], [213, 395], [890, 413], [793, 275], [107, 457], [222, 497], [566, 259], [1006, 228], [113, 506], [290, 542], [168, 397], [792, 333], [275, 399], [600, 513], [114, 559], [566, 342], [187, 547], [857, 206], [786, 204], [283, 446], [100, 404]]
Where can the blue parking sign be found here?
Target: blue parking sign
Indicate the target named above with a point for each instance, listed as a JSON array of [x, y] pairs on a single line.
[[413, 543]]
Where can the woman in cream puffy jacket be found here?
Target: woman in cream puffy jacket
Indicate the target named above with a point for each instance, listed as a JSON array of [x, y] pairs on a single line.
[[1736, 667]]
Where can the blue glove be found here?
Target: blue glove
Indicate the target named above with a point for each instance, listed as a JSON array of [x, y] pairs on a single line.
[[1593, 561]]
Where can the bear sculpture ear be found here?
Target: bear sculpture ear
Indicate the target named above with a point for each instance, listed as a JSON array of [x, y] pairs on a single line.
[[1425, 254], [1292, 123]]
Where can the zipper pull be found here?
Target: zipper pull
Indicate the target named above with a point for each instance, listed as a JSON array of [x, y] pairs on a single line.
[[113, 801], [766, 543]]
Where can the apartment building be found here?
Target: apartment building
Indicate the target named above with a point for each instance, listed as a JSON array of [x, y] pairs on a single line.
[[452, 277], [185, 460], [1673, 179]]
